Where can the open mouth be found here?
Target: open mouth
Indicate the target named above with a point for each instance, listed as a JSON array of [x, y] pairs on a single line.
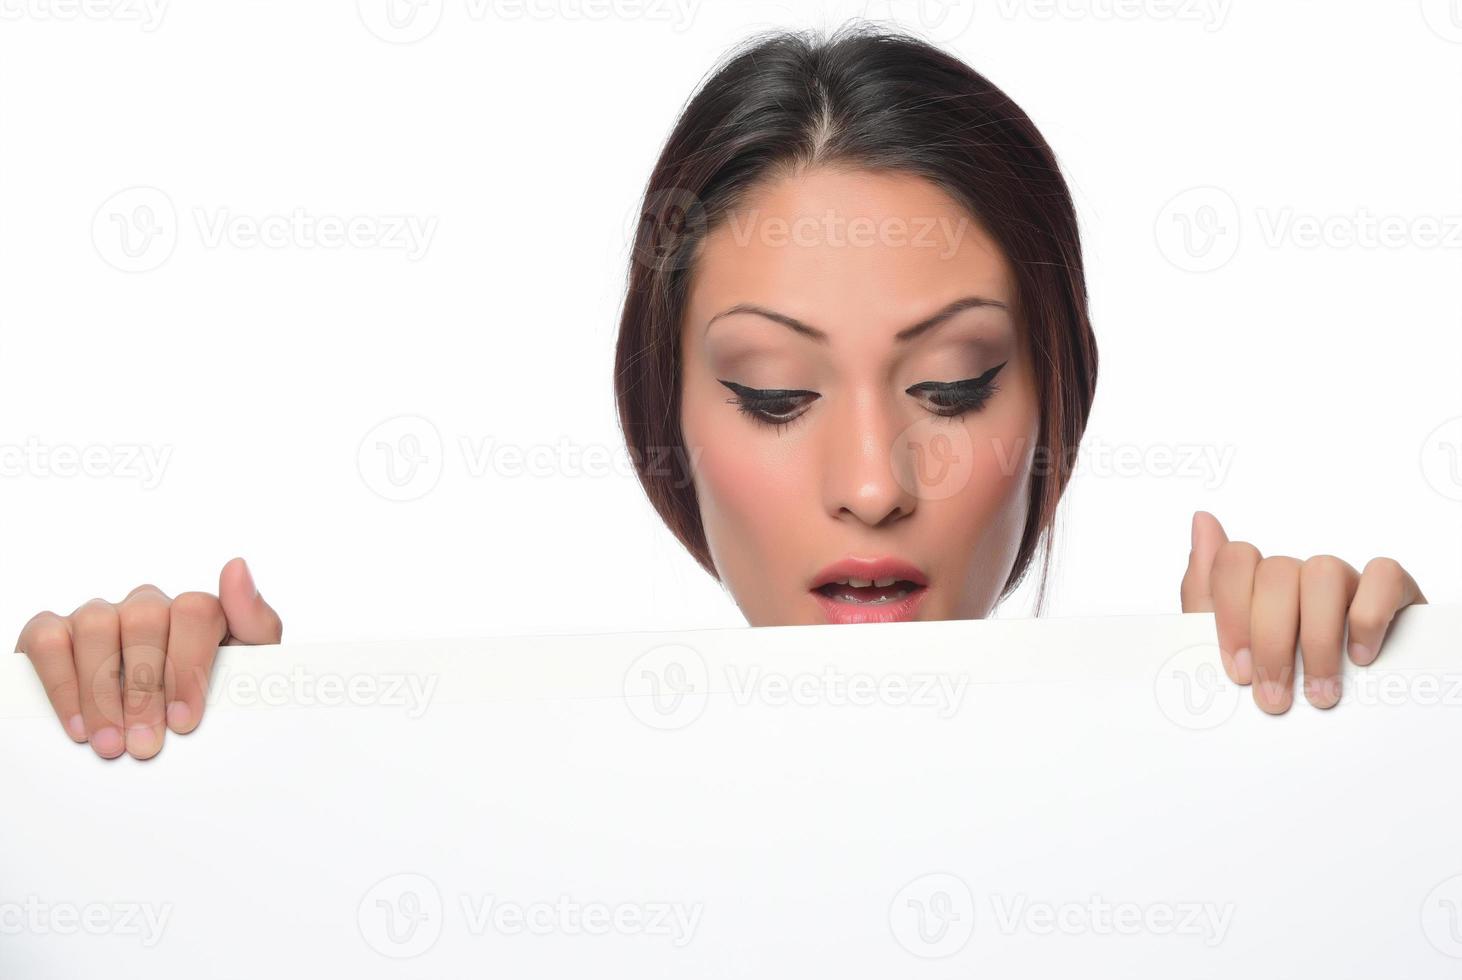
[[868, 592]]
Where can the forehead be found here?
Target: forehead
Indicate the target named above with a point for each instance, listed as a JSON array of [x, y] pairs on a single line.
[[847, 251]]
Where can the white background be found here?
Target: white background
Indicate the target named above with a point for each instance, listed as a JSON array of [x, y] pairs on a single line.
[[1324, 378]]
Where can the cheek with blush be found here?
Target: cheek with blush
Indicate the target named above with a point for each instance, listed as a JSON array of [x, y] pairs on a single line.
[[989, 514], [753, 496]]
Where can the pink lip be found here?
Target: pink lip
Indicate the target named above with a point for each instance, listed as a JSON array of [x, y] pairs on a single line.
[[870, 568]]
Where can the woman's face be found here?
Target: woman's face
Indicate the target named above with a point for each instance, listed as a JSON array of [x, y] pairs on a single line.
[[840, 332]]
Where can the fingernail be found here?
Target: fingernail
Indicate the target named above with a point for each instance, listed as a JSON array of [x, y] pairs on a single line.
[[179, 716], [1228, 663], [249, 577], [1361, 654], [1322, 692], [144, 741], [108, 743], [1271, 695], [1244, 666], [76, 728]]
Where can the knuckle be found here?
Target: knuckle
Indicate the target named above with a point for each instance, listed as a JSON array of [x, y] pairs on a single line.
[[1389, 567], [48, 634], [1236, 553], [144, 617], [63, 690], [1277, 569], [1367, 621], [1324, 569], [95, 615], [197, 607]]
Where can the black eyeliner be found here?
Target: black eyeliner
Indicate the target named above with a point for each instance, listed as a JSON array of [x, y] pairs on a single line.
[[765, 394], [957, 386]]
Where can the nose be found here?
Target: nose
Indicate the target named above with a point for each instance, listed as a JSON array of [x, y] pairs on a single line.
[[865, 474]]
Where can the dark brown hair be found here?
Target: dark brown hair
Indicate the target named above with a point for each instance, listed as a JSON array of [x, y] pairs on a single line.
[[865, 97]]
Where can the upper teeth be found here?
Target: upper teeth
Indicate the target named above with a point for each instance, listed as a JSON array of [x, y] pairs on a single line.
[[863, 583]]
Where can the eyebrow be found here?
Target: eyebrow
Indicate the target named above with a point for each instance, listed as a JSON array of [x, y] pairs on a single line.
[[906, 334]]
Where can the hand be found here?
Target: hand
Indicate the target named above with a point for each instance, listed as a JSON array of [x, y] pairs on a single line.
[[116, 672], [1262, 605]]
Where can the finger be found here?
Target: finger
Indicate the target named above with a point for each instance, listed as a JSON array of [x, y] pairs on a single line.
[[1274, 628], [96, 639], [195, 630], [144, 617], [1385, 588], [1207, 536], [46, 640], [1233, 590], [1327, 585], [250, 618]]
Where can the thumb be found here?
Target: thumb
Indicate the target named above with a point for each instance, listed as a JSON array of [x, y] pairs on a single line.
[[251, 620], [1207, 537]]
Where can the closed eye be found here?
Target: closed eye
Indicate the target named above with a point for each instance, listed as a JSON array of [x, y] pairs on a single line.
[[780, 406], [773, 406], [955, 398]]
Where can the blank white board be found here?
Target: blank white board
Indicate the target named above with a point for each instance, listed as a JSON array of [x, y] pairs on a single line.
[[983, 798]]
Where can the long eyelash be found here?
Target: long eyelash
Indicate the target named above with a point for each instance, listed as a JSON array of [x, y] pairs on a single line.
[[972, 401], [755, 402], [969, 395]]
